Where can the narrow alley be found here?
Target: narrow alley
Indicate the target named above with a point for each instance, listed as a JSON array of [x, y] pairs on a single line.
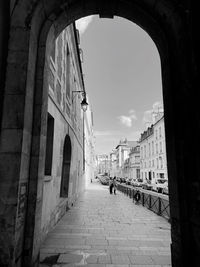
[[104, 230]]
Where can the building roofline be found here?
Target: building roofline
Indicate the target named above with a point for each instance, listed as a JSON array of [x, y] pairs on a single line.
[[162, 117], [78, 53]]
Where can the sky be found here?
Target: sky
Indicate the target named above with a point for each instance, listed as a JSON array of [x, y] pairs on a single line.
[[122, 75]]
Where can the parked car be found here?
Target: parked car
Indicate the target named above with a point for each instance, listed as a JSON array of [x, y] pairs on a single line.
[[137, 182], [159, 185], [122, 180], [104, 179], [147, 185], [128, 181]]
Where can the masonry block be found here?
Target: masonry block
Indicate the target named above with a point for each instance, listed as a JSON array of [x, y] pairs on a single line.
[[9, 167], [11, 140], [13, 112]]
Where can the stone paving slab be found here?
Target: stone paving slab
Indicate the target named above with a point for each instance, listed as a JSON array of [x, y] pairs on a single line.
[[104, 230]]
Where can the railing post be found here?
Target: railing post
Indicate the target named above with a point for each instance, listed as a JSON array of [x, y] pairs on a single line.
[[143, 199], [159, 206], [149, 201]]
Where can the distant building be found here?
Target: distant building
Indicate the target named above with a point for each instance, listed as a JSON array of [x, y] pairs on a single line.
[[134, 162], [153, 163], [122, 153], [113, 163], [103, 164]]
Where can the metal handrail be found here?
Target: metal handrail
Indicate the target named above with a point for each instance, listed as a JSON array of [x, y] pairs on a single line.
[[158, 204]]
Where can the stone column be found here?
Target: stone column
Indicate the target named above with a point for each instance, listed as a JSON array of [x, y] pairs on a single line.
[[15, 139]]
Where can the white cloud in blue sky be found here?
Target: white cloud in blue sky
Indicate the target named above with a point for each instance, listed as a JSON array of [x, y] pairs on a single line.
[[148, 114]]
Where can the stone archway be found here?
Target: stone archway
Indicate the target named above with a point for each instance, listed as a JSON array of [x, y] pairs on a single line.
[[25, 105]]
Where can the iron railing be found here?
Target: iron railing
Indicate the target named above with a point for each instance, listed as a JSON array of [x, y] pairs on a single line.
[[154, 202]]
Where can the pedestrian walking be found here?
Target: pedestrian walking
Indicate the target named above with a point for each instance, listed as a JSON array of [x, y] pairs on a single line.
[[114, 185], [137, 197], [111, 185]]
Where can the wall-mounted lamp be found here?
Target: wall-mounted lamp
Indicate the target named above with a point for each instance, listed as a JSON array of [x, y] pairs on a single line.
[[84, 103]]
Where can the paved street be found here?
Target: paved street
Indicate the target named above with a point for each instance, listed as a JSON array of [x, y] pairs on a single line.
[[104, 230]]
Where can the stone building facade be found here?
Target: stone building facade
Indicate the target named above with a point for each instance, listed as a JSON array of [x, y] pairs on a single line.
[[122, 153], [134, 162], [64, 164], [113, 163], [103, 164], [153, 159]]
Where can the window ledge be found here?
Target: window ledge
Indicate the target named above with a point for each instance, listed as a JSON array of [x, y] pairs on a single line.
[[47, 178]]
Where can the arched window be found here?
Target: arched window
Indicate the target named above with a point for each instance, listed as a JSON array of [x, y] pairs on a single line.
[[66, 167]]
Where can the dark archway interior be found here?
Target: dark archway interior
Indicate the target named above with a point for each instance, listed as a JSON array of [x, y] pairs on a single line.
[[173, 28]]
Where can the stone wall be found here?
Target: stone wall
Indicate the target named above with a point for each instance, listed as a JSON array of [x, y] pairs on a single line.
[[64, 108]]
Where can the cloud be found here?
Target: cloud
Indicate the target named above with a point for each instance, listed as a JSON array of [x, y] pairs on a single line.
[[83, 23], [157, 106], [128, 120], [147, 117], [125, 121], [148, 114], [132, 114]]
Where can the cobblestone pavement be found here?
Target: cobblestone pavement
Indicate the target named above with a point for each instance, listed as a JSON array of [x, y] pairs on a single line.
[[104, 230]]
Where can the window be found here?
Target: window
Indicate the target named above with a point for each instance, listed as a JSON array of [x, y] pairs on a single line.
[[68, 73], [160, 132], [49, 145], [156, 148], [152, 147], [138, 173], [66, 167], [161, 163], [149, 149], [160, 147], [162, 175]]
